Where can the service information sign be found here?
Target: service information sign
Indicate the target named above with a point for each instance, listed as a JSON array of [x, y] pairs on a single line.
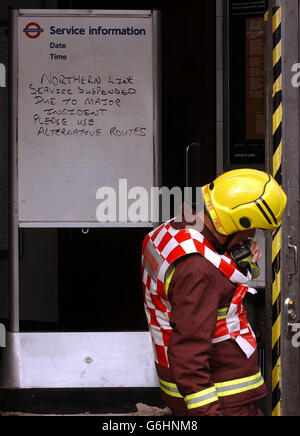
[[85, 112], [255, 79], [246, 136]]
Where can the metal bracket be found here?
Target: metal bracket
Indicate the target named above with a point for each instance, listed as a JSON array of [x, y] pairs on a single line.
[[295, 249], [290, 317]]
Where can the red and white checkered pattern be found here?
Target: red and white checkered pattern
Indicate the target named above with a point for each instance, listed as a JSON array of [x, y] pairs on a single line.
[[161, 247], [235, 325]]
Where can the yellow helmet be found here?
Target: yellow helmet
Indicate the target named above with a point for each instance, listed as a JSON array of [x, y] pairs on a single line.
[[243, 199]]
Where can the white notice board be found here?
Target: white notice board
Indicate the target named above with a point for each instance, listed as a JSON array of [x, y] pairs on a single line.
[[85, 111]]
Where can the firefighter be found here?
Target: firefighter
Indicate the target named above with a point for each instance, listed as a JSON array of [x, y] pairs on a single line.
[[205, 350]]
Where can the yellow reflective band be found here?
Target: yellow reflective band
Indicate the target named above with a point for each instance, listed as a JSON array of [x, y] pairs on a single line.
[[168, 279], [211, 394], [222, 313], [239, 385], [201, 398], [210, 207], [169, 388]]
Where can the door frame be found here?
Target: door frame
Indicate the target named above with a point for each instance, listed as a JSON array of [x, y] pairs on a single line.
[[284, 396]]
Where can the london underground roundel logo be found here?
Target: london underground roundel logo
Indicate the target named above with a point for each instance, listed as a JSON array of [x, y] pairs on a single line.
[[33, 30]]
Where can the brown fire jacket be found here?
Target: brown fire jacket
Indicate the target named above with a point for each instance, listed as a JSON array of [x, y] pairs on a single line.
[[196, 291]]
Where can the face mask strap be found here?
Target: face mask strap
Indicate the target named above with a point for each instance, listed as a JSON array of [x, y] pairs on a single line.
[[221, 249]]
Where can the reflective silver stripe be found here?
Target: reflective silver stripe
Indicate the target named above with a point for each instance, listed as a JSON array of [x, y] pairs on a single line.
[[218, 390], [152, 261], [222, 313], [170, 388], [201, 399], [245, 384]]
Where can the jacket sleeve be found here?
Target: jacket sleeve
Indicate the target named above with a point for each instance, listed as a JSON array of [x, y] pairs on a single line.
[[194, 296]]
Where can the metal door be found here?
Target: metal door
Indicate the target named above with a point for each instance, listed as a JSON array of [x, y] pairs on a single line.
[[283, 115]]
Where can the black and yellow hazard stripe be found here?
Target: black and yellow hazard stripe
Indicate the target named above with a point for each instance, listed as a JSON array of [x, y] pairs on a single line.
[[266, 14], [276, 238], [277, 94]]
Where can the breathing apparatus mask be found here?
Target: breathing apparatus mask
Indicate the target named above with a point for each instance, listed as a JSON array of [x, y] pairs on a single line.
[[242, 257]]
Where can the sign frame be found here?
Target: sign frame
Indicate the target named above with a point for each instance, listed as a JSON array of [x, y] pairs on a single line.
[[33, 15], [14, 222]]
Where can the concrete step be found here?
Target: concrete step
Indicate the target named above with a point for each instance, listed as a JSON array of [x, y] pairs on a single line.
[[91, 402]]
